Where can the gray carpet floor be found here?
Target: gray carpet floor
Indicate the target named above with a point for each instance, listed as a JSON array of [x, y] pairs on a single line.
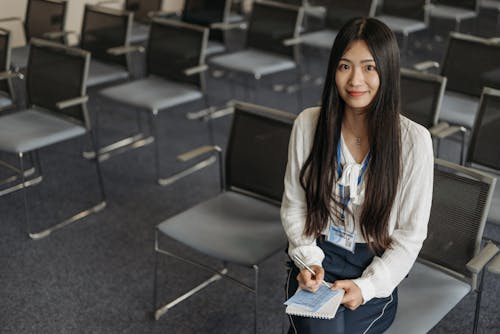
[[96, 276]]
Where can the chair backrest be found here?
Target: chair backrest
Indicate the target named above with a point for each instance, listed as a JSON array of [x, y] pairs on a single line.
[[57, 73], [175, 46], [338, 12], [206, 12], [460, 205], [412, 9], [272, 23], [465, 4], [104, 28], [468, 62], [483, 147], [44, 16], [5, 85], [421, 96], [143, 8], [257, 151]]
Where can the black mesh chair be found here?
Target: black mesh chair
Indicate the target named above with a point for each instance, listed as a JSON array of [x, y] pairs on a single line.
[[269, 46], [405, 17], [421, 96], [466, 82], [105, 34], [451, 257], [56, 90], [338, 12], [7, 97], [421, 99], [213, 14], [45, 19], [483, 148], [175, 62], [143, 11], [242, 224], [456, 10]]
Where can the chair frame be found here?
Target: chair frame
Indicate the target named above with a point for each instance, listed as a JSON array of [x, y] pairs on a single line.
[[141, 139], [290, 42], [219, 273], [481, 256], [80, 100]]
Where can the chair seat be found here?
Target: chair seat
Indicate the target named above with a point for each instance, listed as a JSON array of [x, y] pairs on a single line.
[[459, 109], [19, 57], [152, 93], [5, 102], [231, 227], [255, 62], [322, 39], [455, 13], [140, 33], [425, 297], [402, 25], [214, 47], [101, 73], [31, 129]]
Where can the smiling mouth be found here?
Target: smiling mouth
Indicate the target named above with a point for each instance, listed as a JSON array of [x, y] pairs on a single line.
[[355, 93]]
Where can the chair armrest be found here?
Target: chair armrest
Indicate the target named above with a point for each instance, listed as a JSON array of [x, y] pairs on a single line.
[[195, 70], [121, 50], [229, 25], [72, 102], [477, 263], [221, 112], [494, 266], [10, 74], [426, 65], [436, 129], [189, 155], [292, 41], [58, 34], [7, 19], [450, 130]]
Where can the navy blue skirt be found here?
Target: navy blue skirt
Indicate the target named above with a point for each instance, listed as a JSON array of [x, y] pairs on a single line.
[[373, 317]]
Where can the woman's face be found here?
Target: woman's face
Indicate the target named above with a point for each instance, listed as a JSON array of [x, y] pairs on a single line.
[[356, 77]]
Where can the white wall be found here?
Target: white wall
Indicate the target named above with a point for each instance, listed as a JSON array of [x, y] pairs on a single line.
[[17, 8]]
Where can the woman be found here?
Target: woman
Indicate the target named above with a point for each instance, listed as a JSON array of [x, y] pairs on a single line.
[[358, 185]]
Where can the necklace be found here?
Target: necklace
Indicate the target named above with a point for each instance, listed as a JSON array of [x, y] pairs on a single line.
[[357, 139]]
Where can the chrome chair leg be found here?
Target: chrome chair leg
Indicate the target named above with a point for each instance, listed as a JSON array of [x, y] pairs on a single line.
[[165, 181], [78, 216], [35, 166], [256, 293], [134, 141]]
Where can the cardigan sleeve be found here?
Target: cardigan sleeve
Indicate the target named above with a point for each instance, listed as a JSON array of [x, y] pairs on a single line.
[[294, 206], [411, 211]]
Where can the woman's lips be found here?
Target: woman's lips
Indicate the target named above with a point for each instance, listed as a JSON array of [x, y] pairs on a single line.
[[355, 93]]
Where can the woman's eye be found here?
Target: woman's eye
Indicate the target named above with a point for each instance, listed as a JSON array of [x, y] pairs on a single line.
[[370, 67], [343, 67]]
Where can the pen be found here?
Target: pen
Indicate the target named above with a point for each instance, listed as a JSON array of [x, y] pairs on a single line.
[[309, 269]]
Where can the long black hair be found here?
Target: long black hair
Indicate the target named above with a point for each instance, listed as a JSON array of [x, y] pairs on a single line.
[[317, 176]]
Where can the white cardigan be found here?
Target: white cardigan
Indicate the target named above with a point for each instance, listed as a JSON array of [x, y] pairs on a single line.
[[409, 215]]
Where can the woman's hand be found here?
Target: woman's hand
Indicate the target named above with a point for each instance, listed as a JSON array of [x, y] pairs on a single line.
[[352, 296], [310, 282]]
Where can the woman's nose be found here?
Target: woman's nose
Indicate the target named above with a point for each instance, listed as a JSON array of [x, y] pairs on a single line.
[[356, 78]]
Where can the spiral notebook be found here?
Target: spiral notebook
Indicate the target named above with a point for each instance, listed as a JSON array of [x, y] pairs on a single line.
[[321, 304]]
